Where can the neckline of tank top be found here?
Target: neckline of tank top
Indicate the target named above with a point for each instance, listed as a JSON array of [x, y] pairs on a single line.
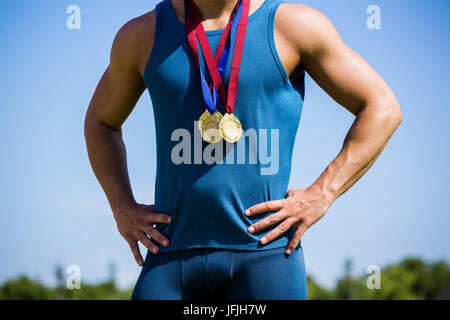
[[180, 24]]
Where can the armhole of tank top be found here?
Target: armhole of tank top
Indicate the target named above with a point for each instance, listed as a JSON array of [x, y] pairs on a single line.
[[271, 26], [156, 41]]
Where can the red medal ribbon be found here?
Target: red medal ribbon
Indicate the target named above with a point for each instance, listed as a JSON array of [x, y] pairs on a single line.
[[195, 29], [192, 35]]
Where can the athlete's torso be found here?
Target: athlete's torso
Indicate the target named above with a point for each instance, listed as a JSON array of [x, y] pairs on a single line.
[[206, 188]]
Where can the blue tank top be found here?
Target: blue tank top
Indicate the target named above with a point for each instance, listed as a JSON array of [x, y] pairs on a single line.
[[207, 187]]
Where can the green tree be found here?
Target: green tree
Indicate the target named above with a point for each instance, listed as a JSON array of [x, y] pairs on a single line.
[[317, 292], [24, 288], [410, 279]]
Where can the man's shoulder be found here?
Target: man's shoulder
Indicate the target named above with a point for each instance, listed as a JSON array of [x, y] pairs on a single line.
[[302, 24], [134, 40], [139, 26], [297, 14]]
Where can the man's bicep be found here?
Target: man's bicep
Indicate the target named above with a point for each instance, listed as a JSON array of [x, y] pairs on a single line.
[[336, 68], [347, 78], [121, 85], [115, 97]]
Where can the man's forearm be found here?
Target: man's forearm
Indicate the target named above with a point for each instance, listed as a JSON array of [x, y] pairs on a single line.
[[366, 139], [107, 154]]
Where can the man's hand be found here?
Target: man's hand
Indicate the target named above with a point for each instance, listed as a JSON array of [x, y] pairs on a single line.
[[136, 224], [300, 209]]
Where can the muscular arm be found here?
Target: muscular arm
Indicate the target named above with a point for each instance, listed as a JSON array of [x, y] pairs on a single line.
[[310, 43], [354, 84], [115, 97]]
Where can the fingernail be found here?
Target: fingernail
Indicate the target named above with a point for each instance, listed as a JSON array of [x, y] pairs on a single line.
[[247, 211], [166, 243], [288, 251], [263, 240], [141, 263], [251, 229], [168, 220]]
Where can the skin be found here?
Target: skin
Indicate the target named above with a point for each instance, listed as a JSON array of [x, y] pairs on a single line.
[[306, 41]]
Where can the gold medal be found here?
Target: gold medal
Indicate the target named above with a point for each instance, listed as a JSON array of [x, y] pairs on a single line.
[[208, 125], [202, 117], [230, 128]]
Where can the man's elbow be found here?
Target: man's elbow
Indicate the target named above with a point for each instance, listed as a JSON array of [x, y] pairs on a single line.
[[95, 128], [389, 109], [90, 124], [396, 115]]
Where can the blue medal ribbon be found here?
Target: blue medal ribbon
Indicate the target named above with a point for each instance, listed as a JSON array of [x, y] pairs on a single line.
[[209, 98]]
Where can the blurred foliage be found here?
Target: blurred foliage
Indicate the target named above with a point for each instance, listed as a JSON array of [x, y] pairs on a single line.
[[412, 278], [24, 288]]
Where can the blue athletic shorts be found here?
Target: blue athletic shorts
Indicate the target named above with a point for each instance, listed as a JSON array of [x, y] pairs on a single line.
[[226, 274]]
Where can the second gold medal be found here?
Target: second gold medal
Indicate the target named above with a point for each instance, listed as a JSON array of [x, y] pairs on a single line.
[[208, 124]]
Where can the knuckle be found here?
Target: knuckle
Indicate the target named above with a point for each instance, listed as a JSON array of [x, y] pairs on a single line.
[[152, 232], [300, 232], [283, 227], [307, 222], [149, 230], [273, 219], [157, 236], [295, 220], [149, 246], [297, 205], [290, 200], [144, 239]]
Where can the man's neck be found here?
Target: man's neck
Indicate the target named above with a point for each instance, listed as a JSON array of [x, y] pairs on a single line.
[[215, 9], [215, 14]]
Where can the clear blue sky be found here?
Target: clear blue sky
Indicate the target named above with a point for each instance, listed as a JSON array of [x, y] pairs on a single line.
[[53, 210]]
